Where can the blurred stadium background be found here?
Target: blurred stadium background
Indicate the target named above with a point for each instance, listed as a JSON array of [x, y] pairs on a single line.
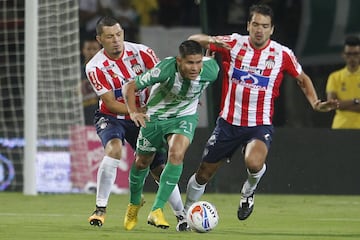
[[41, 104]]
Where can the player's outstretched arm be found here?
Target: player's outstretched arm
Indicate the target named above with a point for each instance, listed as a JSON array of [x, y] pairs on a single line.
[[205, 41], [307, 87]]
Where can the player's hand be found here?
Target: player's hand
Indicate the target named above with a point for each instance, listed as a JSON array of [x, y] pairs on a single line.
[[220, 43], [139, 118], [142, 109], [209, 53], [326, 106]]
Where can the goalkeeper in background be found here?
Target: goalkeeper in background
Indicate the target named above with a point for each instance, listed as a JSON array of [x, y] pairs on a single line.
[[115, 64]]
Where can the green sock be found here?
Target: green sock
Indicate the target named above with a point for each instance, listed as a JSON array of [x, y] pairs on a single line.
[[136, 182], [168, 180]]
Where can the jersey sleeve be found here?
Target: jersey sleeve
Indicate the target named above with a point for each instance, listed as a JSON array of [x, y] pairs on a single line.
[[158, 74], [149, 57], [229, 39], [290, 63], [97, 80], [211, 69]]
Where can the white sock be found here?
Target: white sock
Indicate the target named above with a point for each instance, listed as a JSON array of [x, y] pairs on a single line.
[[106, 176], [252, 182], [175, 200], [194, 191]]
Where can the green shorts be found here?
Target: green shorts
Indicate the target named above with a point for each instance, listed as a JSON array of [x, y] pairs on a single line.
[[152, 138]]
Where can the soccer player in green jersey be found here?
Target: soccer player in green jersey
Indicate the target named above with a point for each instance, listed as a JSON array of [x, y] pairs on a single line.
[[171, 118]]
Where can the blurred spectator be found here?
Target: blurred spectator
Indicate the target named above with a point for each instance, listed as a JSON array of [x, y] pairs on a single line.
[[148, 11], [126, 14], [344, 85], [90, 100], [89, 13]]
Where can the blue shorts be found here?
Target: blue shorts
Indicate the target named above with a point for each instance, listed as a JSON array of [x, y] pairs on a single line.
[[227, 138], [109, 127]]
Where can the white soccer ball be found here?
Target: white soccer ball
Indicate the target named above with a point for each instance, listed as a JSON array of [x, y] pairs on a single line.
[[202, 217]]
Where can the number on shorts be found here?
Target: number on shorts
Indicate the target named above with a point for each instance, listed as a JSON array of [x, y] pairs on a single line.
[[187, 126]]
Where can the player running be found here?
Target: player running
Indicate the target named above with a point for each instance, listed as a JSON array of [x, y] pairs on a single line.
[[118, 62], [253, 70], [170, 122]]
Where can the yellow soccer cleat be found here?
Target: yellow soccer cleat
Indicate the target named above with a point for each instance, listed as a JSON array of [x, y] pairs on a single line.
[[157, 219], [132, 210], [98, 217], [130, 220]]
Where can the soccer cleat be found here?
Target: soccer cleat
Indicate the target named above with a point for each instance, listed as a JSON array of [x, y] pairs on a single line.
[[157, 219], [130, 220], [132, 210], [182, 225], [246, 207], [98, 217]]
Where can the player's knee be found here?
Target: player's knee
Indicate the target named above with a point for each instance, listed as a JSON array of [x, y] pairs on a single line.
[[143, 161], [254, 166], [201, 178], [204, 174], [176, 156], [114, 154], [141, 165], [113, 148], [255, 161]]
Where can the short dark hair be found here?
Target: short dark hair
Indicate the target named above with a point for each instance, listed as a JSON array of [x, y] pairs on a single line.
[[352, 40], [262, 9], [190, 47], [105, 21]]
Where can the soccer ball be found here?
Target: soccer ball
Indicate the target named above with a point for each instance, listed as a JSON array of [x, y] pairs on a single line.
[[202, 217]]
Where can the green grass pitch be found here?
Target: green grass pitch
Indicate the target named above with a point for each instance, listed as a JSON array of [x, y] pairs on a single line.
[[275, 217]]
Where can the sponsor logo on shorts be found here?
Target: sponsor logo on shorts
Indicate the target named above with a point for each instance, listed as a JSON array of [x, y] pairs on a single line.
[[144, 144]]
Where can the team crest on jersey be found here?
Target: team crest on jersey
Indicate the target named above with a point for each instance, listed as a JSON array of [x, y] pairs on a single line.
[[155, 72], [137, 68], [269, 63]]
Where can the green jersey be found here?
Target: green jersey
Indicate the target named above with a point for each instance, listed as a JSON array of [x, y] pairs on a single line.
[[171, 95]]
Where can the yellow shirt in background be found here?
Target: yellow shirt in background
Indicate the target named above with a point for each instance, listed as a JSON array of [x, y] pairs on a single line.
[[346, 85], [145, 8]]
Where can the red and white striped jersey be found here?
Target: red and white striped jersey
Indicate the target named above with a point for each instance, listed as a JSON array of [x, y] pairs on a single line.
[[252, 78], [106, 74]]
